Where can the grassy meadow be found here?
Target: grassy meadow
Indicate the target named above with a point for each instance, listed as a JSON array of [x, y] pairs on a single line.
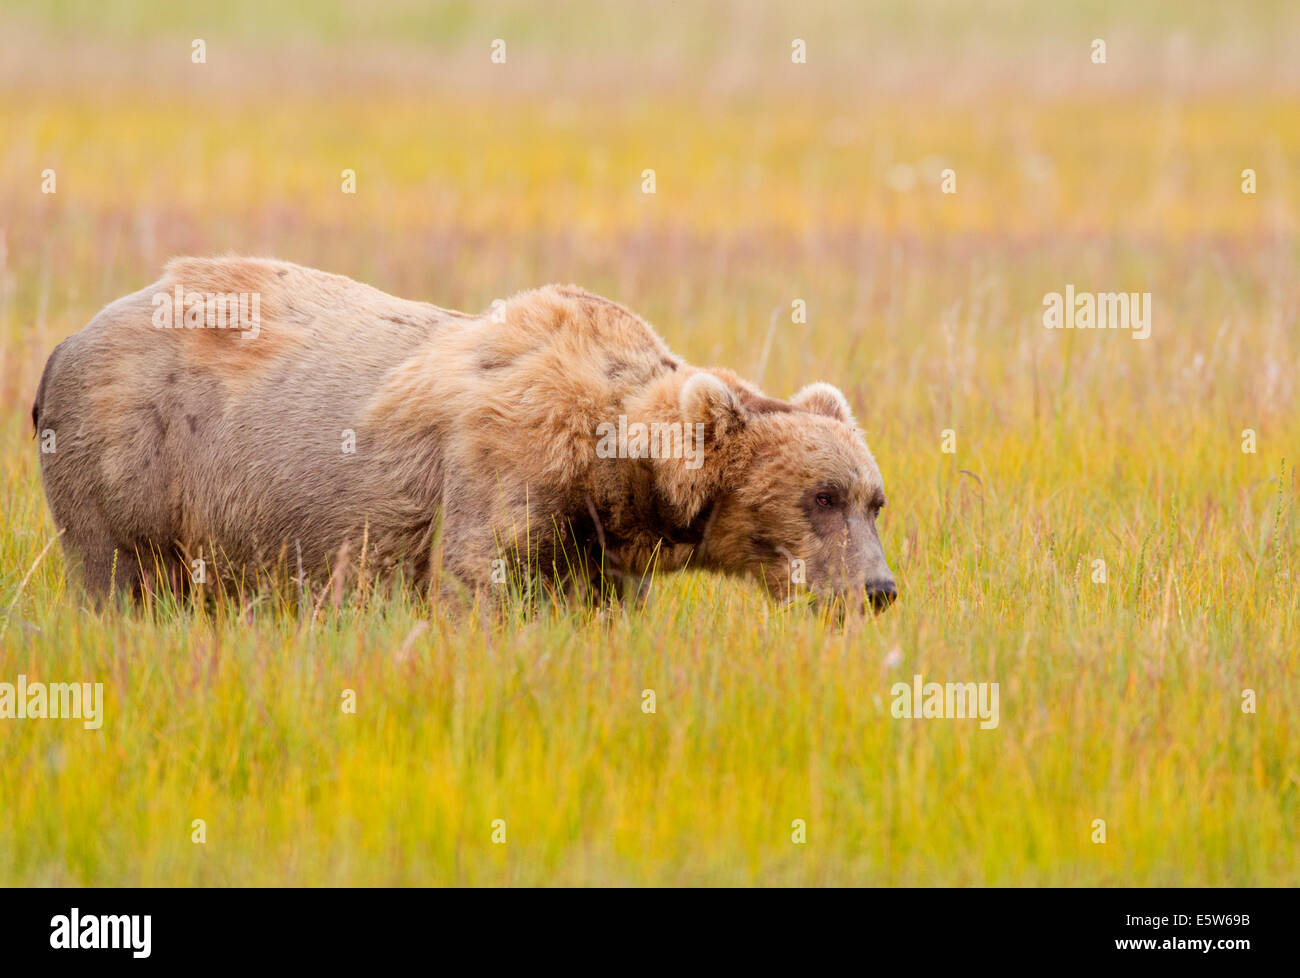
[[1120, 700]]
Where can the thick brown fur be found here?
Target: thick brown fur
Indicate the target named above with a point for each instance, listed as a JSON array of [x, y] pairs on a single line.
[[186, 442]]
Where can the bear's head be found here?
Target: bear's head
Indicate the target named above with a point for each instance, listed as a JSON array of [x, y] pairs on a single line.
[[785, 491]]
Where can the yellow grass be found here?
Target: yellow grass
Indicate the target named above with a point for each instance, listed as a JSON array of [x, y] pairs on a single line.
[[1119, 701]]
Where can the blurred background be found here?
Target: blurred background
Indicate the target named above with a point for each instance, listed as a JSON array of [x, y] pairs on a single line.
[[774, 179], [775, 182]]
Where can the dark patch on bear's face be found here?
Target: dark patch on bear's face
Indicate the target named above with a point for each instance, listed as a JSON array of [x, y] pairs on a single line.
[[489, 362], [824, 508], [193, 423], [827, 507], [843, 555]]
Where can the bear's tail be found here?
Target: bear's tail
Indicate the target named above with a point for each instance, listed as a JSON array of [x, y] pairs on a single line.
[[38, 402]]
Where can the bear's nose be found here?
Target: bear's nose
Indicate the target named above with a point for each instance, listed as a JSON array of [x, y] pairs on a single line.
[[881, 593]]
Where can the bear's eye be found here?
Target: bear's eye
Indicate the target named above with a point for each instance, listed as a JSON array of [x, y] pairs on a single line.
[[824, 499]]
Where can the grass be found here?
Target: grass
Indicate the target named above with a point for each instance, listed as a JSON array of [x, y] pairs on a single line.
[[1119, 701]]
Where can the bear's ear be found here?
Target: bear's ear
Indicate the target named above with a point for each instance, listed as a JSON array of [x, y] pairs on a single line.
[[707, 400], [826, 400]]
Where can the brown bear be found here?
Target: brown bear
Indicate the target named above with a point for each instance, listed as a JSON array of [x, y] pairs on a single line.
[[243, 414]]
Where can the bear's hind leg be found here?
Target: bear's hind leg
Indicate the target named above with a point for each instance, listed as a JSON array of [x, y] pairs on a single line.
[[105, 568]]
